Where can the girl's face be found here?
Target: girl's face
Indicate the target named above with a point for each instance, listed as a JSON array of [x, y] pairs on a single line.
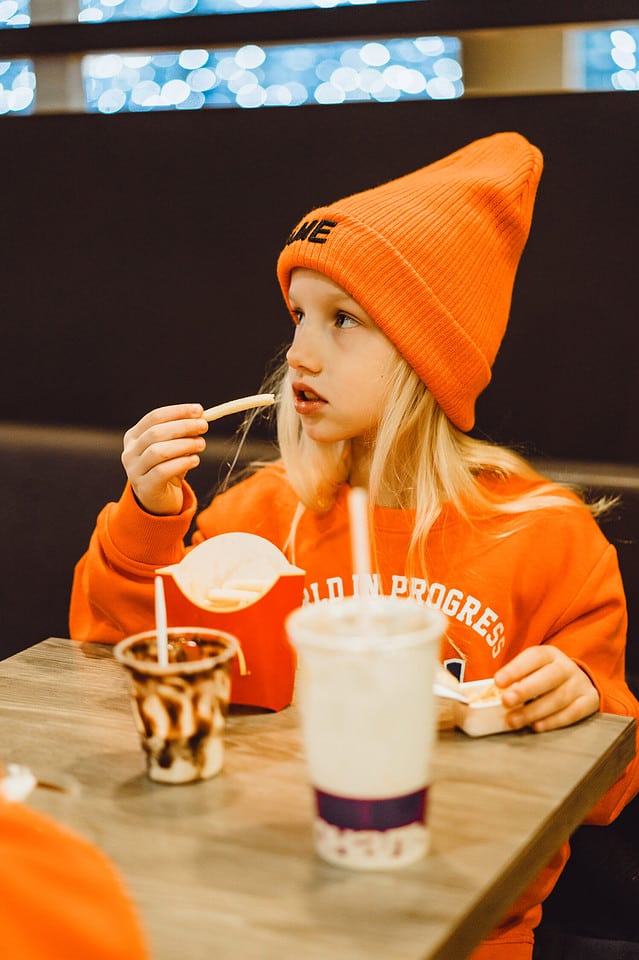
[[339, 361]]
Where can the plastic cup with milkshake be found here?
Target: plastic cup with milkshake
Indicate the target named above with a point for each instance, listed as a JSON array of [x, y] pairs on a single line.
[[365, 691]]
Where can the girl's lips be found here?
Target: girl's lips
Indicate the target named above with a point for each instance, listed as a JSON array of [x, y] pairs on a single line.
[[306, 400]]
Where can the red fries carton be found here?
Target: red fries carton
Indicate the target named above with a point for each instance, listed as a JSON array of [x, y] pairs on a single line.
[[244, 585]]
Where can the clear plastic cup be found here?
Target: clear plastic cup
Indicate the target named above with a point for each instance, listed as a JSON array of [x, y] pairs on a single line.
[[180, 709], [365, 690]]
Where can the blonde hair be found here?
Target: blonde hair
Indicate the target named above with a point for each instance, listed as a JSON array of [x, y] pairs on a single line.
[[419, 461]]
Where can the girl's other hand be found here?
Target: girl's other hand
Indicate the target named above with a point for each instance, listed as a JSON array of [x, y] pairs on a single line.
[[158, 453], [543, 688]]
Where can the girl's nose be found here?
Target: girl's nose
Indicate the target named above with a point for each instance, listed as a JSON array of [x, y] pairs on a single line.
[[304, 352]]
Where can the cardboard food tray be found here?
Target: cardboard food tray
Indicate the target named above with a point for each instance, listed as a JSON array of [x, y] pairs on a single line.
[[479, 718], [264, 676]]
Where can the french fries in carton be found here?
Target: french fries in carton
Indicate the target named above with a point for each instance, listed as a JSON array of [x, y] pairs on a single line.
[[243, 584]]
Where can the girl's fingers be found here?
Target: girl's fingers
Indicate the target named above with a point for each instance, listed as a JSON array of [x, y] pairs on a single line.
[[552, 719], [171, 471], [165, 457], [541, 709], [566, 703], [159, 451], [541, 681], [175, 412], [525, 663], [161, 442], [164, 432], [533, 673], [578, 709]]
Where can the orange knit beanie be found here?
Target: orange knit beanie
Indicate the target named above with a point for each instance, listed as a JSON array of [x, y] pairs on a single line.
[[431, 257]]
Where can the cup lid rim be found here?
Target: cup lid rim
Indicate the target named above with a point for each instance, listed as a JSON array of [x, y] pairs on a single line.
[[121, 651], [315, 636]]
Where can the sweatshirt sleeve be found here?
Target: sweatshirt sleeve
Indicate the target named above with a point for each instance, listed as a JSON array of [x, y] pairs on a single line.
[[592, 631], [112, 591]]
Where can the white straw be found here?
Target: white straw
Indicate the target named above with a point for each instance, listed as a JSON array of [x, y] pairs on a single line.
[[160, 623], [360, 539]]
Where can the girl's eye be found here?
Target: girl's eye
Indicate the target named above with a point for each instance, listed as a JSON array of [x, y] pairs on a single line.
[[342, 320], [297, 316]]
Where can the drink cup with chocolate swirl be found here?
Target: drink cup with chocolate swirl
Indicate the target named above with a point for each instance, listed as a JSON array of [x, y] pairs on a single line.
[[180, 709], [365, 689]]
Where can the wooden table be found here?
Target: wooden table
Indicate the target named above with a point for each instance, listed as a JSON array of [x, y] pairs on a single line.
[[225, 869]]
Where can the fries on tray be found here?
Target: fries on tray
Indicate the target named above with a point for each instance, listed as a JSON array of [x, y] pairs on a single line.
[[475, 707]]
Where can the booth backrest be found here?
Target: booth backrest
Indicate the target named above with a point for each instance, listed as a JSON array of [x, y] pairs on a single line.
[[55, 481]]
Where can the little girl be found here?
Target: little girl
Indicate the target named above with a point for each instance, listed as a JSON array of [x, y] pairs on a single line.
[[400, 297]]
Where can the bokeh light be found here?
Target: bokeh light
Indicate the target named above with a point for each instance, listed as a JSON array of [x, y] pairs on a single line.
[[267, 76], [610, 58], [98, 11], [15, 13], [17, 87]]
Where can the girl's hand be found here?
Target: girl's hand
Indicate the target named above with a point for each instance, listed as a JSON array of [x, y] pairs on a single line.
[[158, 453], [544, 689]]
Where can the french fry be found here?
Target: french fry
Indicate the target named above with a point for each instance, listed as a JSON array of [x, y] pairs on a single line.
[[252, 585], [488, 694], [233, 594], [236, 406], [224, 594], [225, 607]]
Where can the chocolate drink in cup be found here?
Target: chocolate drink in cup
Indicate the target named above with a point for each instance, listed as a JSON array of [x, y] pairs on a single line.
[[180, 708]]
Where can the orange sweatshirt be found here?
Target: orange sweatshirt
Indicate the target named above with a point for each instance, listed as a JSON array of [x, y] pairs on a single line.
[[505, 583], [60, 897]]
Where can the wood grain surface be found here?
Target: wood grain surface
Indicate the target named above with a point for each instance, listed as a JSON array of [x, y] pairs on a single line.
[[226, 869]]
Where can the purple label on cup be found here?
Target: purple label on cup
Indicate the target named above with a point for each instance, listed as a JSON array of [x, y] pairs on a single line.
[[387, 814]]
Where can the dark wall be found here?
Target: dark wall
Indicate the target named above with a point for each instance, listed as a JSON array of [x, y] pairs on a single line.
[[137, 256]]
